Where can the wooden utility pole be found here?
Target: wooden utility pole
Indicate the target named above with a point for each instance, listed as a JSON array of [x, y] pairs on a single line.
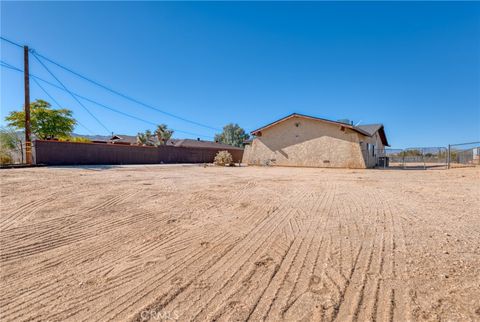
[[26, 77]]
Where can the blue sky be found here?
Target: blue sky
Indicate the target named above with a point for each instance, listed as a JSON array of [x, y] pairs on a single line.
[[414, 67]]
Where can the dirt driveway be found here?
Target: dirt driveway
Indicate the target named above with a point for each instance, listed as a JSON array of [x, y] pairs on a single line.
[[195, 243]]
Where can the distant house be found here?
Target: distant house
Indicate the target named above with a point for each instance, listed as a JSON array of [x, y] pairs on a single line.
[[184, 143], [190, 143], [307, 141]]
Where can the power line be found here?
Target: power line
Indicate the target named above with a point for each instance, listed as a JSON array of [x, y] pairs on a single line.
[[55, 101], [11, 42], [45, 91], [128, 97], [74, 97], [4, 64], [114, 91]]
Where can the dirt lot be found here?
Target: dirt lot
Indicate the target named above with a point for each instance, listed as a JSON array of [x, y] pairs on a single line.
[[194, 243]]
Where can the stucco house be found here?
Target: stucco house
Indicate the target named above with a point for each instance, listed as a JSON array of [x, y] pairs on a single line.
[[307, 141]]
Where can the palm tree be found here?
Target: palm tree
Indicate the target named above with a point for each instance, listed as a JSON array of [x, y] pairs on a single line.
[[141, 139], [145, 138], [163, 133]]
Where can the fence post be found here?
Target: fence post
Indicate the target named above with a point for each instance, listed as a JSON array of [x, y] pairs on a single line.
[[423, 158], [448, 157]]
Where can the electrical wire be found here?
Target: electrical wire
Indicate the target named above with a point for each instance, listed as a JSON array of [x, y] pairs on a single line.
[[38, 55], [11, 42], [34, 78], [74, 97], [4, 64], [128, 97], [112, 90], [55, 101]]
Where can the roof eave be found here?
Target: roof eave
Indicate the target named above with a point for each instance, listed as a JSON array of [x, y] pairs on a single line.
[[312, 118]]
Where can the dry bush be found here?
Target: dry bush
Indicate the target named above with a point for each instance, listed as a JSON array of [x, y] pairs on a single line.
[[223, 158], [5, 158]]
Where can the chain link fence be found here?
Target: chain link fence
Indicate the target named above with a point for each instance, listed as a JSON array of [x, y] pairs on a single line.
[[425, 158], [463, 155], [412, 158]]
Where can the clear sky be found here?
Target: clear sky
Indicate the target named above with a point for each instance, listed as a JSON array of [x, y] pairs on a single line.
[[415, 67]]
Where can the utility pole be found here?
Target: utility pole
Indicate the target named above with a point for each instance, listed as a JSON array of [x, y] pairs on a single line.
[[26, 77]]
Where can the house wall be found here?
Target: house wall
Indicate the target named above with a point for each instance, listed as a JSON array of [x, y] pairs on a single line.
[[304, 142], [370, 158]]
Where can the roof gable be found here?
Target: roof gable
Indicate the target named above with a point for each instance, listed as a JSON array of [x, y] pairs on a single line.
[[356, 129]]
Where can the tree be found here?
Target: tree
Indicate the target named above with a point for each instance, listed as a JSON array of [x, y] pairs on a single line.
[[45, 122], [145, 138], [163, 133], [232, 134]]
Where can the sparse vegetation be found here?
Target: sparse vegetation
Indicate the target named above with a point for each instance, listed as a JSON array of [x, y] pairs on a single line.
[[5, 157], [10, 143], [79, 139], [223, 158]]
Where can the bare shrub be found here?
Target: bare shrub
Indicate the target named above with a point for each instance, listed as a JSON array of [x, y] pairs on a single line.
[[223, 158], [5, 158]]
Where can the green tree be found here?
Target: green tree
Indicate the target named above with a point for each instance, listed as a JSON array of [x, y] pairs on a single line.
[[232, 134], [145, 138], [78, 139], [163, 133], [45, 122]]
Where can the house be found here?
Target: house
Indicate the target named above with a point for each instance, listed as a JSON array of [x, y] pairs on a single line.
[[307, 141], [190, 143]]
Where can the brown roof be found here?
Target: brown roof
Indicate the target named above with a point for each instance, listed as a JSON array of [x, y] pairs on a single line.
[[200, 144], [364, 130]]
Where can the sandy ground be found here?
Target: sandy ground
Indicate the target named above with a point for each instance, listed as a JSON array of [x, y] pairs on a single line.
[[252, 243]]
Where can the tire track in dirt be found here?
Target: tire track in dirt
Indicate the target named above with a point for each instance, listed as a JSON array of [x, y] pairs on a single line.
[[360, 296], [272, 248], [23, 212], [265, 304], [153, 282], [236, 286], [294, 277], [233, 255]]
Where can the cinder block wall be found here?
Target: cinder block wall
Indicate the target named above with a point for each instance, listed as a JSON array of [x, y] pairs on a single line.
[[303, 142], [73, 153]]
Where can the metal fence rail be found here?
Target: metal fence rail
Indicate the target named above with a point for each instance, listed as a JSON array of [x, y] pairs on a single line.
[[426, 158], [395, 158], [464, 155]]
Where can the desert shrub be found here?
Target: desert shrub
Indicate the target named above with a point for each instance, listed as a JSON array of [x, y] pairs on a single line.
[[5, 158], [223, 158], [74, 139]]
